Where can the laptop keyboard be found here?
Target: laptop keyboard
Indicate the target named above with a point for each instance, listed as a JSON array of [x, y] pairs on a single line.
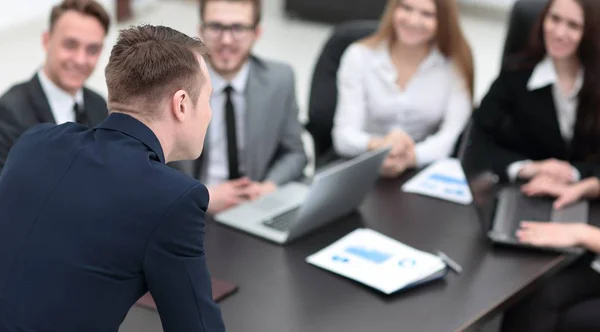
[[531, 209], [283, 222], [267, 203], [534, 209]]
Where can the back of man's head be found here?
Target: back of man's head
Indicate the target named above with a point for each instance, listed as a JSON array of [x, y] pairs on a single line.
[[150, 63]]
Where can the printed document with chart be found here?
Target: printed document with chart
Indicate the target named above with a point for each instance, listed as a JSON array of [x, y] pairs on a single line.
[[443, 179], [378, 261]]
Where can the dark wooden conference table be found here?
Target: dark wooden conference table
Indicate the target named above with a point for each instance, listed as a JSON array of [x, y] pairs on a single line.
[[280, 292]]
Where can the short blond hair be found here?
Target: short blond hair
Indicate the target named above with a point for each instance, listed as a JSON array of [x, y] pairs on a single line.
[[150, 62]]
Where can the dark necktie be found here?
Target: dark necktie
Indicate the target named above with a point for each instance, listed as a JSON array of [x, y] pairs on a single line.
[[232, 147], [80, 116]]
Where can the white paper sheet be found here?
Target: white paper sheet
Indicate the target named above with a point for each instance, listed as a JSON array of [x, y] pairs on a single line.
[[377, 261], [443, 179]]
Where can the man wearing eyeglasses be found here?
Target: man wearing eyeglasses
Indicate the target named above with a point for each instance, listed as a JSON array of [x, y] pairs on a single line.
[[254, 140]]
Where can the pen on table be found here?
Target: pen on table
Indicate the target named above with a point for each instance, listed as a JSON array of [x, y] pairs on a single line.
[[450, 262]]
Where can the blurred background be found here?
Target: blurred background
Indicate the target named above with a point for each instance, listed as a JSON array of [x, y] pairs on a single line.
[[294, 32]]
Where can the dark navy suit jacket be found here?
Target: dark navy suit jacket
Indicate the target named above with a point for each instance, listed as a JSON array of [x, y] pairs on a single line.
[[90, 219]]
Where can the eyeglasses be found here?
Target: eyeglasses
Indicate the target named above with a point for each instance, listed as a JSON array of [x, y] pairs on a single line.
[[238, 31]]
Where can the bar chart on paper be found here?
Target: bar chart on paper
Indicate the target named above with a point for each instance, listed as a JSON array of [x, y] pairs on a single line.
[[372, 255], [377, 261]]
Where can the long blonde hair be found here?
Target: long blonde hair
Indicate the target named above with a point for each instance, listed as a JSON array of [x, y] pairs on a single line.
[[450, 38]]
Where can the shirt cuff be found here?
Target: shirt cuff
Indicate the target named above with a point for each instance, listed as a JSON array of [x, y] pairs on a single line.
[[513, 169], [352, 145], [596, 264], [361, 144], [422, 157], [576, 174]]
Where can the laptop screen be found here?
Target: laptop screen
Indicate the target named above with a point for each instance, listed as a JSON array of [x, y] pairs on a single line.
[[484, 185]]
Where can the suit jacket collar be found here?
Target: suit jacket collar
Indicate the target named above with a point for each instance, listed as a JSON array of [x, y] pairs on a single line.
[[53, 92], [40, 103], [134, 128], [41, 106], [257, 71], [544, 74], [256, 106]]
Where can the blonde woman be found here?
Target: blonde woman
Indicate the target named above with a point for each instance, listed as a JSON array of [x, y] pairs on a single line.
[[409, 85]]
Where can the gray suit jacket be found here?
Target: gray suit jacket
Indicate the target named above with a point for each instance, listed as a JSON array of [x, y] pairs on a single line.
[[274, 150]]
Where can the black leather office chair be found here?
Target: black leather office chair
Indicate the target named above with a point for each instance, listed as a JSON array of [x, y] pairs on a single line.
[[523, 17], [323, 92]]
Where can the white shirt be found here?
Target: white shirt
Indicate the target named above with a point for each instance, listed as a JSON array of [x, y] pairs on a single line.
[[544, 74], [433, 108], [218, 165], [61, 102]]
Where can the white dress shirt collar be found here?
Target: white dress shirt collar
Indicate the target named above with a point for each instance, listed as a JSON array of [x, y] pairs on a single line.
[[544, 74], [61, 102], [386, 67], [238, 83], [433, 59]]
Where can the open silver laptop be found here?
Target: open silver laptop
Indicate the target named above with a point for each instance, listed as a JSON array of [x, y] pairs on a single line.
[[296, 209]]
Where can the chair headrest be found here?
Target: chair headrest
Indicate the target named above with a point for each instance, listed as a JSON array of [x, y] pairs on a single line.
[[323, 92], [523, 17]]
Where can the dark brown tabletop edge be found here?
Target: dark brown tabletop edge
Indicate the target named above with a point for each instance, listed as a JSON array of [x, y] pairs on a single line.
[[551, 269], [490, 309]]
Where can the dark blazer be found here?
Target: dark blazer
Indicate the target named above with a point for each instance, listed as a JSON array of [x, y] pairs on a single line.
[[25, 105], [274, 149], [514, 123], [103, 221]]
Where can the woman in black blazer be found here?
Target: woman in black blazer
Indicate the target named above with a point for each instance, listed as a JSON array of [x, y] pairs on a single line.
[[540, 123], [540, 118]]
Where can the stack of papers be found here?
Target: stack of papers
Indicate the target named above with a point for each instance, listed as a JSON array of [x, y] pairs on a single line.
[[443, 179], [378, 261]]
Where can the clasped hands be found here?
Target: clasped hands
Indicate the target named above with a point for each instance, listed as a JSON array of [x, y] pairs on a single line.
[[231, 193], [402, 153]]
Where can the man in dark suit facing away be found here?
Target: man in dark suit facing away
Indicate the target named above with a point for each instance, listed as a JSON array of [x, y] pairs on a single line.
[[92, 219], [55, 94]]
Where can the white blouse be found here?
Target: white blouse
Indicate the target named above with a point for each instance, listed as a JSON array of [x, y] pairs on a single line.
[[433, 109]]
